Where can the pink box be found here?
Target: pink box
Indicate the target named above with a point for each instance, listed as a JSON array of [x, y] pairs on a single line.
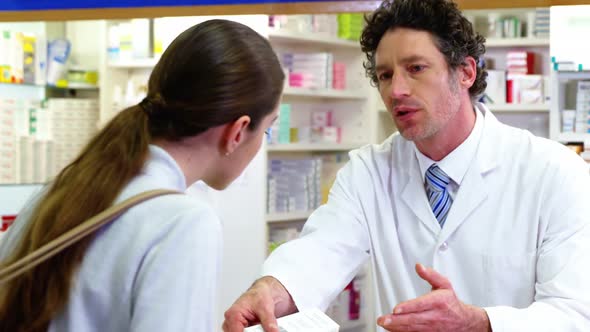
[[332, 134], [321, 119]]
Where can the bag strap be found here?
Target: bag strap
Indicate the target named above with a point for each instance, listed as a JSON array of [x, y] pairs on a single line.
[[75, 234]]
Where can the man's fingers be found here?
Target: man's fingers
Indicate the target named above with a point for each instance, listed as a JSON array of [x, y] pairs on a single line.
[[406, 322], [234, 321], [430, 301], [267, 318], [435, 279], [232, 326]]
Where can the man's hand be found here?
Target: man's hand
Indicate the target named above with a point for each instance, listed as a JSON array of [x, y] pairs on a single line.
[[262, 303], [439, 310]]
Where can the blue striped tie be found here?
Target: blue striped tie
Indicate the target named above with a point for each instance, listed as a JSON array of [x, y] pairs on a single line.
[[437, 193]]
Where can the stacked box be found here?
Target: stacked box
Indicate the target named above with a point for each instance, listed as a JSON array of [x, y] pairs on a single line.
[[8, 145], [325, 24], [73, 122], [542, 22], [309, 70], [527, 89], [582, 107], [350, 26], [339, 74], [293, 185], [23, 58], [520, 62]]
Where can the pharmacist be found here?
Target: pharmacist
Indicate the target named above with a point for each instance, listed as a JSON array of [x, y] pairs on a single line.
[[500, 217]]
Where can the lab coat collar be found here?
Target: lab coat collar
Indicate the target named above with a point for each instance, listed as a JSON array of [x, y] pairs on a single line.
[[473, 190]]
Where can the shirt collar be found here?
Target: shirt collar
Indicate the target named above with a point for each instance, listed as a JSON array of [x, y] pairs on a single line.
[[164, 168], [455, 163]]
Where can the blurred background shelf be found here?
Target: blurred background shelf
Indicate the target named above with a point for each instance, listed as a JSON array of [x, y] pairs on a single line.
[[311, 147], [287, 216]]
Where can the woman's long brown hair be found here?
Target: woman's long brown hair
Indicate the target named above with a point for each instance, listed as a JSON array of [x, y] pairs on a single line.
[[210, 75]]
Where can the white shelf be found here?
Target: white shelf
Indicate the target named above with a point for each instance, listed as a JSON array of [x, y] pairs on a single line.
[[287, 216], [147, 63], [573, 137], [312, 38], [517, 42], [324, 93], [304, 147], [572, 75], [518, 108]]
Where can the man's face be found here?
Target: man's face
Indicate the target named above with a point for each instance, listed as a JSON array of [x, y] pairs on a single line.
[[415, 83]]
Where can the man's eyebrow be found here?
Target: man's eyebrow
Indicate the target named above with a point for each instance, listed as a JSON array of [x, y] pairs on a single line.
[[413, 58], [381, 67], [408, 59]]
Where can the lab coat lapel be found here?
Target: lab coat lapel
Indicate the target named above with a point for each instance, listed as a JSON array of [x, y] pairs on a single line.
[[414, 195], [474, 189]]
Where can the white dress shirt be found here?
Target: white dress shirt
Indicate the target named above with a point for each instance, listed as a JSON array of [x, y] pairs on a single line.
[[456, 163], [153, 269], [516, 240]]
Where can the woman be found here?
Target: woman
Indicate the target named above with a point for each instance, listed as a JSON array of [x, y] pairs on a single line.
[[210, 98]]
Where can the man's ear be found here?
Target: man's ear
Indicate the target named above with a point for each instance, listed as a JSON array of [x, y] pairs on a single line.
[[234, 134], [468, 72]]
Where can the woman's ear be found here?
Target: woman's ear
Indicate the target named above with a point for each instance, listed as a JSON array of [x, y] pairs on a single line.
[[235, 134]]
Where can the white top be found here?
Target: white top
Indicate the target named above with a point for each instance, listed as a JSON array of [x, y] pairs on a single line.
[[153, 269], [456, 163], [516, 240]]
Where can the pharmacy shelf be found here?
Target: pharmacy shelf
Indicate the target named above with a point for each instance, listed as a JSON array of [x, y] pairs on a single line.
[[71, 86], [147, 63], [572, 75], [312, 39], [324, 93], [517, 42], [573, 137], [287, 216], [518, 108], [311, 147]]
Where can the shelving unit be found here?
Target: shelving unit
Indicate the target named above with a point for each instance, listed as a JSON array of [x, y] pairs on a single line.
[[534, 118], [352, 109], [324, 93], [517, 42], [313, 147], [287, 216], [312, 39], [518, 108], [563, 100], [147, 63]]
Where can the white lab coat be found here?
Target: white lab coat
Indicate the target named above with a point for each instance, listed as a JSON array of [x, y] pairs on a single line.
[[153, 269], [516, 240]]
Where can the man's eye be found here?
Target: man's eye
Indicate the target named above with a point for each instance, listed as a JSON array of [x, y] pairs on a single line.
[[416, 68], [384, 76]]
